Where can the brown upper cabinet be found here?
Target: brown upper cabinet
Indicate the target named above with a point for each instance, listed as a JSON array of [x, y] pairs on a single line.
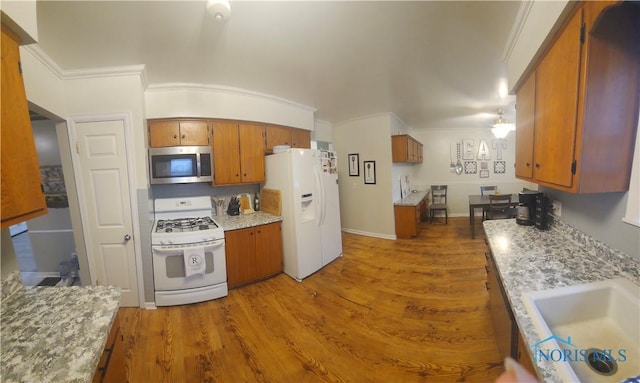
[[405, 148], [300, 138], [284, 135], [238, 152], [579, 107], [178, 133], [22, 196], [525, 122]]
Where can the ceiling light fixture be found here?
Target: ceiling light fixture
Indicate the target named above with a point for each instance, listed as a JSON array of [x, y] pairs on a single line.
[[501, 126], [219, 10]]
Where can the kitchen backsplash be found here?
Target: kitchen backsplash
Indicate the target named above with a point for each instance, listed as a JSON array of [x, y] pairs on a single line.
[[201, 189]]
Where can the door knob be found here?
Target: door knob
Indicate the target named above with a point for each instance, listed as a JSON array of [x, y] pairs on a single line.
[[127, 237]]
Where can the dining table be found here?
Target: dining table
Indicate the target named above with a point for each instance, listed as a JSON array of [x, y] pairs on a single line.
[[477, 201]]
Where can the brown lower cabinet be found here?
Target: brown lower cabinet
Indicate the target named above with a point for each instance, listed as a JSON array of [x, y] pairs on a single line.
[[111, 367], [253, 254], [408, 218], [507, 334]]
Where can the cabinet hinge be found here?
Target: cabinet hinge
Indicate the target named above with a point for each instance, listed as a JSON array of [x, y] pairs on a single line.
[[20, 67], [583, 31], [574, 164]]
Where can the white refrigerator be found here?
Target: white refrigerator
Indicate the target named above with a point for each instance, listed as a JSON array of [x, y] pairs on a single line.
[[311, 230]]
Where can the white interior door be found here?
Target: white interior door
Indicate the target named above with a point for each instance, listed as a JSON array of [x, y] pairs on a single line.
[[100, 160]]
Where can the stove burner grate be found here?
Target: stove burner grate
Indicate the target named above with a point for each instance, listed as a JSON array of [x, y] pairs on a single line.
[[185, 224]]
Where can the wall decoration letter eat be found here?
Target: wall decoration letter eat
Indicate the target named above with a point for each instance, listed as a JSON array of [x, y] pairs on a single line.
[[483, 151]]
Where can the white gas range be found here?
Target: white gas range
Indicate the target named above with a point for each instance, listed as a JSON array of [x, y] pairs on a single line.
[[187, 245]]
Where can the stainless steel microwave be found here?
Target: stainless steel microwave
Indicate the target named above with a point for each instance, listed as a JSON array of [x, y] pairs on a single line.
[[180, 164]]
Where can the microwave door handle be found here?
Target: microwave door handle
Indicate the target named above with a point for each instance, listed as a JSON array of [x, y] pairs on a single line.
[[198, 167]]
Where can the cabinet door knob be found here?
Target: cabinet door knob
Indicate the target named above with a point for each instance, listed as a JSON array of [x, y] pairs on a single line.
[[528, 165], [183, 136], [127, 237], [175, 136], [537, 166]]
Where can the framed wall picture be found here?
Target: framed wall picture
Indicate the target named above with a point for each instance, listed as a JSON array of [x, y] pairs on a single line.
[[354, 165], [499, 167], [369, 172], [470, 167]]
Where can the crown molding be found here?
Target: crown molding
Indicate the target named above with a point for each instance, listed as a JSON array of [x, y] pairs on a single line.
[[43, 57], [139, 70], [177, 86], [62, 74], [516, 29]]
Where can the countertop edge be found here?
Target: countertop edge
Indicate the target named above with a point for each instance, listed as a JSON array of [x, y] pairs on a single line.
[[412, 199], [244, 221]]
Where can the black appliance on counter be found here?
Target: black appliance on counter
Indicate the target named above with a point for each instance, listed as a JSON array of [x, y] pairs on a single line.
[[526, 211], [543, 205], [234, 206]]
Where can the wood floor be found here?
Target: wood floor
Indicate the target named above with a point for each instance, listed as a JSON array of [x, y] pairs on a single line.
[[386, 311]]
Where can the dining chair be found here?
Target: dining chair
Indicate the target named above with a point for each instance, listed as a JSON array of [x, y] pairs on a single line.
[[486, 190], [500, 206], [438, 202]]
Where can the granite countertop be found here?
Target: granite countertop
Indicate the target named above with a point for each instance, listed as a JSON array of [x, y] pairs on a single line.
[[54, 334], [243, 221], [412, 199], [530, 260]]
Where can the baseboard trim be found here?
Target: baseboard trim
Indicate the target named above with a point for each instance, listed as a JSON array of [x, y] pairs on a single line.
[[369, 234]]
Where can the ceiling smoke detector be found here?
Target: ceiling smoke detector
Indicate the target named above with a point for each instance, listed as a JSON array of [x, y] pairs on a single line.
[[219, 10]]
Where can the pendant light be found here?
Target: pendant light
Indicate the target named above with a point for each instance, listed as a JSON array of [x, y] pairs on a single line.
[[501, 126]]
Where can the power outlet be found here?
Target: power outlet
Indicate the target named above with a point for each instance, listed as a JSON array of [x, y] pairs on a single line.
[[556, 208]]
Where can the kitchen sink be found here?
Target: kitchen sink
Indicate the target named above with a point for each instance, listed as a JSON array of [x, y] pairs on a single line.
[[589, 332]]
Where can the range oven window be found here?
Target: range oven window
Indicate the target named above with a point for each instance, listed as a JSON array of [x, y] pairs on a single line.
[[168, 166]]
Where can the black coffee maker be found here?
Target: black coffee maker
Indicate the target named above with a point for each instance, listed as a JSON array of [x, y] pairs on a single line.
[[526, 211], [543, 206]]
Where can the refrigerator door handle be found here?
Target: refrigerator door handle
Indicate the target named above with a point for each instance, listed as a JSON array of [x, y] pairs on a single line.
[[320, 195], [323, 198]]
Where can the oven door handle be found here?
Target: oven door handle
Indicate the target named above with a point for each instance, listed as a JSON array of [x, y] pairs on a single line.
[[207, 247]]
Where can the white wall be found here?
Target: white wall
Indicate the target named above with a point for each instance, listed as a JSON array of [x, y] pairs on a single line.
[[322, 131], [193, 100], [44, 87], [366, 209], [113, 94], [435, 168], [21, 17]]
